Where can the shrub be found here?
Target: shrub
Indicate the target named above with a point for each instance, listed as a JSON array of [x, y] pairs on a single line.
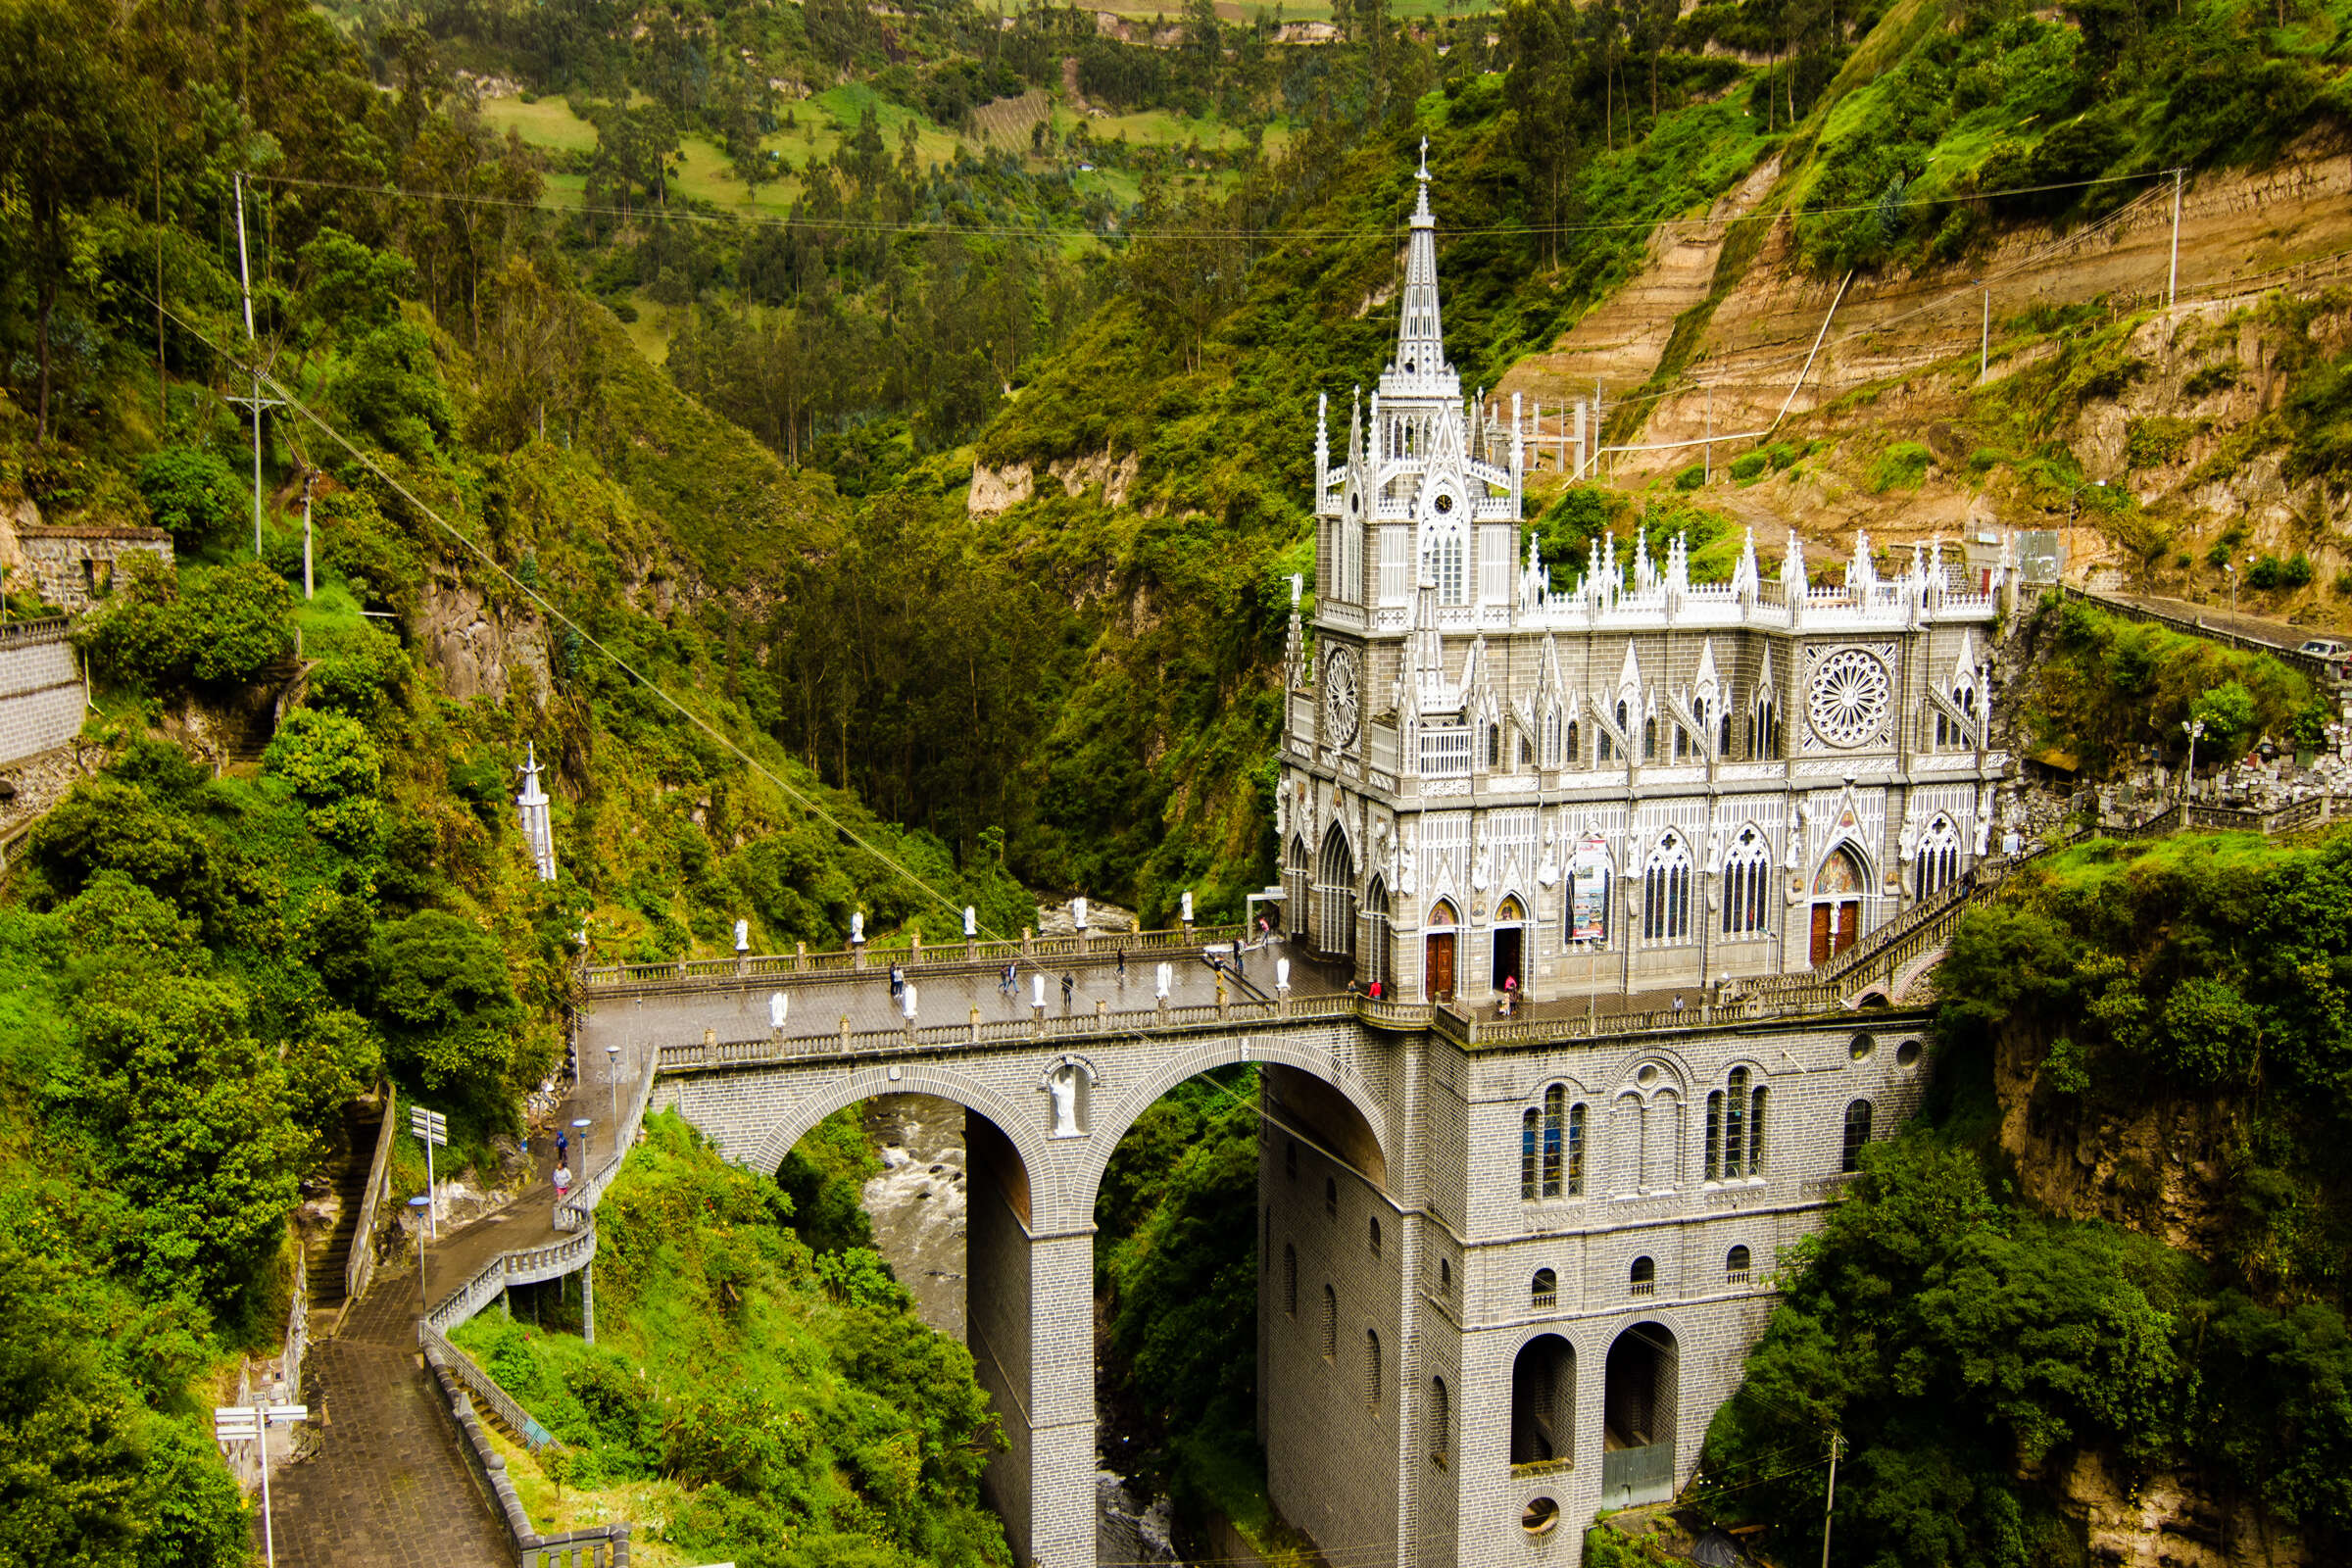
[[1901, 467], [1748, 467], [2295, 571], [334, 768], [189, 492], [239, 621], [1691, 479], [2265, 572], [447, 1005], [2157, 440]]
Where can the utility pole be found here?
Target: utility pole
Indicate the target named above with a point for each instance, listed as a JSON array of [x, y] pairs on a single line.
[[1984, 339], [1710, 458], [256, 402], [1829, 1509], [2172, 284], [309, 588]]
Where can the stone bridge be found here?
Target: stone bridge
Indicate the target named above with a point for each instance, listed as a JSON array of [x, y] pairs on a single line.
[[1419, 1167]]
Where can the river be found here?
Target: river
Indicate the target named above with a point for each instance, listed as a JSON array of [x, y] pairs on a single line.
[[917, 1207]]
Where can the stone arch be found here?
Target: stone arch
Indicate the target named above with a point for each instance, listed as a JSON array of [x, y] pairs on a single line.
[[1112, 1122], [1640, 1408], [1374, 952], [1022, 1127], [1542, 1429]]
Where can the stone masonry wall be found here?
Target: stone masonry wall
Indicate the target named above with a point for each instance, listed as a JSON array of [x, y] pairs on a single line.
[[43, 695]]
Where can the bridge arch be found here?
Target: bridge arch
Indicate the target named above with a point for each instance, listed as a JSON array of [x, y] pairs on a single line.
[[1115, 1116], [1018, 1124]]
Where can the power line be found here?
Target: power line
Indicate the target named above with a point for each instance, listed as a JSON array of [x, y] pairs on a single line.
[[1042, 232]]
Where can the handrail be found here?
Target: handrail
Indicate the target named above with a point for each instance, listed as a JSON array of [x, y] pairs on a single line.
[[577, 1211], [484, 1387], [975, 956], [359, 1267], [597, 1547], [47, 630]]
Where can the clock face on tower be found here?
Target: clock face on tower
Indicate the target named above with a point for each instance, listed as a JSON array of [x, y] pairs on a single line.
[[1340, 700]]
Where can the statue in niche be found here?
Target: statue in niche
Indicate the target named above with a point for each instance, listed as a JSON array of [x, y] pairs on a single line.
[[1408, 878], [1481, 860], [1062, 1086]]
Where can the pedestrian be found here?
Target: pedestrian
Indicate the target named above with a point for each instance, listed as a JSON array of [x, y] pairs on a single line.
[[1122, 966], [1005, 984], [562, 1181], [1678, 1001], [562, 1145], [898, 980], [1069, 985], [1240, 971]]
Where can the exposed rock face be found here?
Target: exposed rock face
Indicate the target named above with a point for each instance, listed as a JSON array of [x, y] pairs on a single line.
[[2166, 1521], [994, 491], [999, 490], [484, 650]]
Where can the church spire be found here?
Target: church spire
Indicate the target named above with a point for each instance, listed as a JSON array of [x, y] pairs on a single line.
[[1420, 330]]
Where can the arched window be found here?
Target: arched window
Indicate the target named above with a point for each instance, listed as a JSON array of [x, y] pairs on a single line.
[[1723, 732], [1526, 753], [1543, 1402], [1939, 857], [1650, 739], [1440, 1422], [1441, 560], [1374, 1235], [1666, 892], [1643, 1280], [1734, 1125], [1572, 752], [1290, 1280], [1331, 1323], [1372, 1368], [1735, 1266], [1681, 742], [1746, 879], [1858, 1133], [1335, 896], [1755, 1131], [1713, 1153], [1493, 746], [1552, 1148], [1331, 1198], [1445, 1277], [1764, 726], [1545, 1293]]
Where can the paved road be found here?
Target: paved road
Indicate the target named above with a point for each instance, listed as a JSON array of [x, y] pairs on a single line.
[[386, 1488], [817, 1003], [2220, 616]]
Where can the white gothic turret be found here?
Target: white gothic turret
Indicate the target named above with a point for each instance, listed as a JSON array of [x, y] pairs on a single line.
[[531, 816]]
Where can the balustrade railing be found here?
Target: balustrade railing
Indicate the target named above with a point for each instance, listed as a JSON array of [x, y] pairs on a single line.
[[935, 958]]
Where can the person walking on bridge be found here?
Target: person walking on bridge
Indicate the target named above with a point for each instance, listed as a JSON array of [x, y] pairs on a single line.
[[1004, 982], [1069, 985]]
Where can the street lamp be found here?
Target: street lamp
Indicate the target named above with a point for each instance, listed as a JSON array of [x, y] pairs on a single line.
[[2197, 731], [251, 1423], [2073, 507], [579, 1133], [419, 1204], [612, 1079], [2229, 572]]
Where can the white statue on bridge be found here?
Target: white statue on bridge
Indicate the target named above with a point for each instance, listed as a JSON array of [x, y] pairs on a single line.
[[777, 1005], [1062, 1086]]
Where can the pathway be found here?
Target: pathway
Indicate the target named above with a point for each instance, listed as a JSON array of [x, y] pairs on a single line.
[[385, 1484]]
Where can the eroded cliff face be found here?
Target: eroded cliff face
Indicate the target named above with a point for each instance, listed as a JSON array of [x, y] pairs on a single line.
[[2157, 1171], [482, 649]]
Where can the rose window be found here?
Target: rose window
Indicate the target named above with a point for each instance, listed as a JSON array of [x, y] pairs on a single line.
[[1849, 696]]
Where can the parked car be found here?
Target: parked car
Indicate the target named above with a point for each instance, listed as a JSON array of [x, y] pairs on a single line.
[[2338, 654]]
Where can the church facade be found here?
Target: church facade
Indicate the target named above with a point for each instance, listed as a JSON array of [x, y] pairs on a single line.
[[1633, 782]]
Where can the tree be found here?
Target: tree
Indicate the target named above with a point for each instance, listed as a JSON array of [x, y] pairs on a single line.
[[447, 1005], [189, 492], [64, 153], [331, 765]]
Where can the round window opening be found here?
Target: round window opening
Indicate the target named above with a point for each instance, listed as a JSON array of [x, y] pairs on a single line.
[[1645, 1075], [1541, 1517], [1444, 501], [1906, 1055], [1861, 1047]]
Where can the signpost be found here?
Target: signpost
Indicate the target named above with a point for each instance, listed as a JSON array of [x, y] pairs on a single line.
[[433, 1128], [251, 1423]]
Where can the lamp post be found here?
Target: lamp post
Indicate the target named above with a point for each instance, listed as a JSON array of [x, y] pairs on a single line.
[[2229, 572], [2196, 730], [612, 1079], [579, 1134], [2073, 507], [251, 1423], [420, 1204]]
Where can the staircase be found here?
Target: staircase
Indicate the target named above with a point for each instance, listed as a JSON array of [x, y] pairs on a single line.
[[329, 1256]]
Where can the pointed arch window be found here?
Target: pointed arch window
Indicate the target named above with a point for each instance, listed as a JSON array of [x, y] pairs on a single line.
[[1666, 892], [1572, 750], [1650, 739], [1440, 1422], [1442, 559], [1939, 857], [1552, 1148], [1747, 877], [1764, 726]]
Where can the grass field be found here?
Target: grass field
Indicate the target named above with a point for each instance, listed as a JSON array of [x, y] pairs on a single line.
[[549, 122]]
